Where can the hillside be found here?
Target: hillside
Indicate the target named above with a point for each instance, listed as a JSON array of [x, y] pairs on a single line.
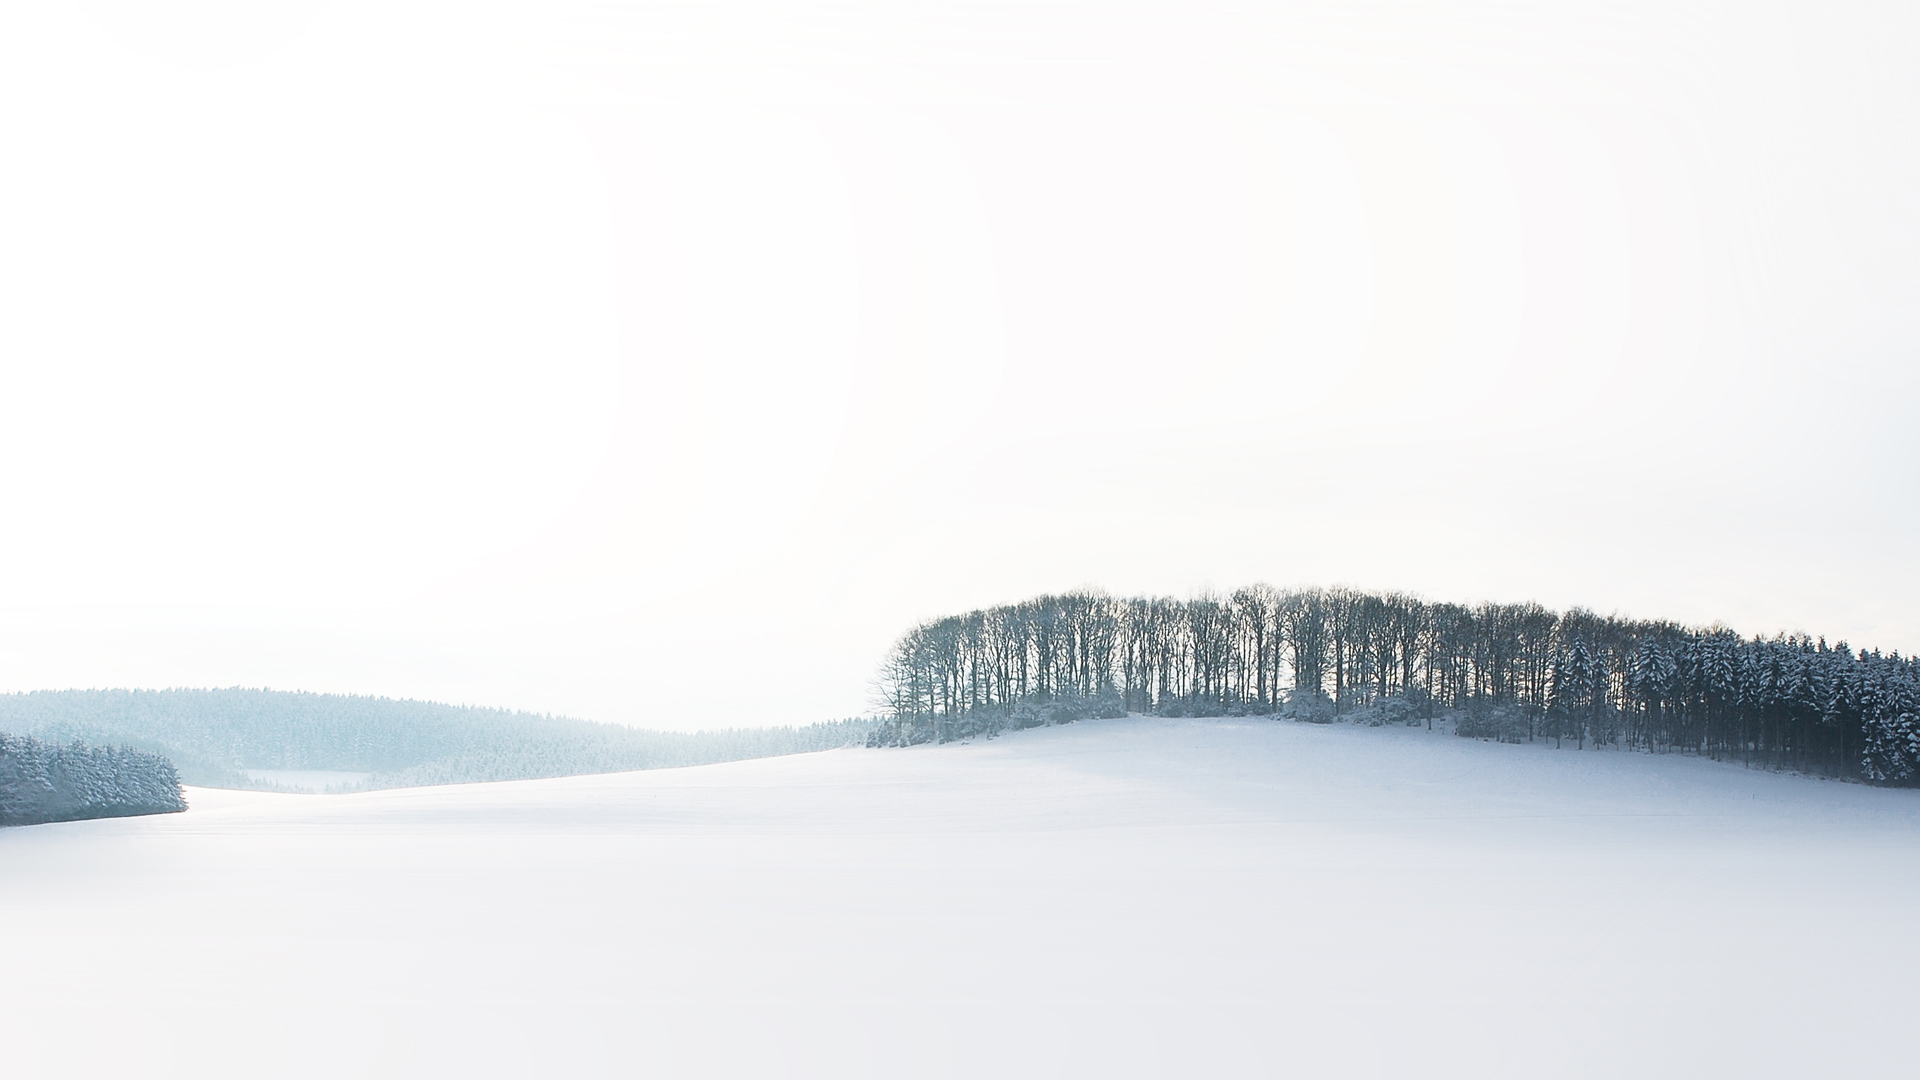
[[261, 739], [1128, 897]]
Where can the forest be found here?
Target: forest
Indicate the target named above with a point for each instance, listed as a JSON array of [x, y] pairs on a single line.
[[41, 782], [1512, 672], [218, 737]]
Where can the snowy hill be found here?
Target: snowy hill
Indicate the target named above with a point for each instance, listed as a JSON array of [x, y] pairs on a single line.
[[1135, 897]]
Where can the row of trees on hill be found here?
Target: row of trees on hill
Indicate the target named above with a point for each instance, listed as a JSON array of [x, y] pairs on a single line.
[[1507, 671], [42, 782], [218, 737]]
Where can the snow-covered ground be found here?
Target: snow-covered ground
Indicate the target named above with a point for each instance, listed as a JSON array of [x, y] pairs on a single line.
[[1112, 898]]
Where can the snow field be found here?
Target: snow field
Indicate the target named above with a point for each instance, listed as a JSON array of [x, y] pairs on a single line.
[[1139, 897]]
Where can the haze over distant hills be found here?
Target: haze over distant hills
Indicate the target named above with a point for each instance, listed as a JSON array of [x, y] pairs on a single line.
[[245, 738]]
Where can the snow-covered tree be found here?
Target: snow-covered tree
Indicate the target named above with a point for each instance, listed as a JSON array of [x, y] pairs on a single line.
[[41, 782]]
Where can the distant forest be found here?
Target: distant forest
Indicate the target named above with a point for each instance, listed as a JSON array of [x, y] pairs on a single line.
[[1515, 672], [216, 737], [40, 782]]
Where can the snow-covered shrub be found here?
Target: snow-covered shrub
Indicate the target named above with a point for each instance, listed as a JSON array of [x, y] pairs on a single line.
[[1312, 706], [1503, 723], [1067, 708], [1031, 712], [1393, 710]]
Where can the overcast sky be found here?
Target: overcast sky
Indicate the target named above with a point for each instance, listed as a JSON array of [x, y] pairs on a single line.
[[660, 363]]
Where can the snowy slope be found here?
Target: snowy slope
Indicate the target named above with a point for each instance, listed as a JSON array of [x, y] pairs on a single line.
[[1113, 898]]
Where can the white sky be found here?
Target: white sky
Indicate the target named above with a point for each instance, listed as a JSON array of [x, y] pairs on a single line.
[[660, 363]]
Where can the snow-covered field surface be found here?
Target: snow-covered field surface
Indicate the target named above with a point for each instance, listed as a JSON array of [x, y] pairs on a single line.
[[1113, 898]]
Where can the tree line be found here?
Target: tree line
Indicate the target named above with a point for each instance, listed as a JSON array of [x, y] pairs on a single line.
[[1516, 672], [41, 782]]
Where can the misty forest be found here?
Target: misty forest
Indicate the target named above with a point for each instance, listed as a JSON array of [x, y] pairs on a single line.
[[238, 738], [1511, 672]]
